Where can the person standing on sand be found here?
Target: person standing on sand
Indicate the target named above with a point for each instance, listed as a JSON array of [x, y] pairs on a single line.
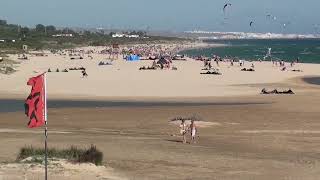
[[183, 131], [209, 65], [252, 66], [154, 64], [193, 130]]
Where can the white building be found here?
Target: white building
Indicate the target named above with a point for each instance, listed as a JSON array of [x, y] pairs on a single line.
[[63, 35], [116, 35]]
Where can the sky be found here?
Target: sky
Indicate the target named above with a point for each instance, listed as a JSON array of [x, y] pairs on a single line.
[[169, 15]]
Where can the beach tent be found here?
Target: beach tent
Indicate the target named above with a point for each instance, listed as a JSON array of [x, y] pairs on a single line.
[[132, 58]]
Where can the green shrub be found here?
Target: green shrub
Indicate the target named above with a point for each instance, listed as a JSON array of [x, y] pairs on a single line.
[[74, 154], [92, 155]]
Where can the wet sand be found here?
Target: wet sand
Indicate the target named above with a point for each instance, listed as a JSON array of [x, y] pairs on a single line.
[[312, 80], [276, 139], [14, 105]]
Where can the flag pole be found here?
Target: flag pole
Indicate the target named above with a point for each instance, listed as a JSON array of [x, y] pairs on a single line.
[[46, 129]]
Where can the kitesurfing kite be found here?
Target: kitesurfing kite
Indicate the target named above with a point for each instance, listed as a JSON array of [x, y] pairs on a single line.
[[285, 24], [251, 23], [225, 6]]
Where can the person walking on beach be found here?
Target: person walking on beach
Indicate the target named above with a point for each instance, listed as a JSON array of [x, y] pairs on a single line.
[[240, 63], [84, 73], [183, 131], [205, 63], [193, 130], [154, 64]]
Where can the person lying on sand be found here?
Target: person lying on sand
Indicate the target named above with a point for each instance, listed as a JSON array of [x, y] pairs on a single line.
[[286, 92], [275, 91], [147, 68], [245, 69], [212, 72], [75, 68], [104, 63]]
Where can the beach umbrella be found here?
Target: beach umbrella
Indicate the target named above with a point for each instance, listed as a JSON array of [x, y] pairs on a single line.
[[194, 117]]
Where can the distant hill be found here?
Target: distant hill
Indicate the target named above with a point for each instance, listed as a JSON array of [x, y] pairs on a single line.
[[13, 36]]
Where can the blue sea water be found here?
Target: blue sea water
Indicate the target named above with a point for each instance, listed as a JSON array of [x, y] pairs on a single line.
[[307, 50]]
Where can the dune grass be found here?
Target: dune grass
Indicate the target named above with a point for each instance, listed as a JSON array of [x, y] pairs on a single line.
[[73, 154]]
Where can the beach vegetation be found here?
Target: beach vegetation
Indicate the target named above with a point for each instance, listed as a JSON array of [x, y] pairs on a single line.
[[40, 28], [13, 36], [72, 154]]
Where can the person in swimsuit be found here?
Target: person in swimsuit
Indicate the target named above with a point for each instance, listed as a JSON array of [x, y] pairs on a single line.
[[183, 131], [193, 130]]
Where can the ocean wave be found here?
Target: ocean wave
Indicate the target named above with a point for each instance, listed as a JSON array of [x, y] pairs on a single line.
[[306, 53], [278, 52]]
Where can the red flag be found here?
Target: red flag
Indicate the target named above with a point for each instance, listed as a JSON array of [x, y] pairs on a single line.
[[35, 103]]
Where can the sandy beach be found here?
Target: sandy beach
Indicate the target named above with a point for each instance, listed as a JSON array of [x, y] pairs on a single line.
[[123, 80], [245, 135]]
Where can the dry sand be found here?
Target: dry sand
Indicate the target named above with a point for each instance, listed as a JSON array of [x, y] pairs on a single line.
[[123, 80]]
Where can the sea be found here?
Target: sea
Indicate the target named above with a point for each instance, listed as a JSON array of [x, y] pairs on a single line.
[[306, 50]]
